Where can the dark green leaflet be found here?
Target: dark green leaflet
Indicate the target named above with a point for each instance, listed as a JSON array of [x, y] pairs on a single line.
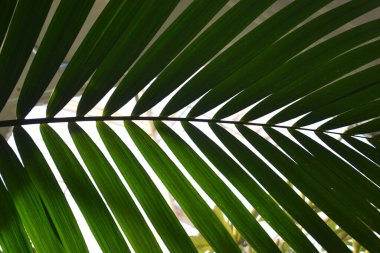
[[280, 52], [371, 126], [337, 187], [368, 191], [366, 149], [200, 51], [361, 163], [108, 27], [332, 70], [62, 30], [336, 104], [330, 94], [358, 114], [144, 25], [241, 53], [23, 31], [292, 202], [6, 11], [163, 50], [313, 185], [375, 141]]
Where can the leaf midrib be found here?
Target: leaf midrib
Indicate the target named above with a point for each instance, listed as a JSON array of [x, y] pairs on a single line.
[[34, 121]]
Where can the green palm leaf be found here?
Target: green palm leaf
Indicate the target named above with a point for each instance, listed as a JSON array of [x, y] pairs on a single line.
[[163, 219], [287, 162], [50, 192], [13, 237], [27, 201], [99, 219]]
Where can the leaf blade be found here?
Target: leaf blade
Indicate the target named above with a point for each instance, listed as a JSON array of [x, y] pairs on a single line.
[[342, 104], [218, 191], [7, 8], [120, 202], [23, 31], [155, 206], [50, 192], [367, 150], [299, 209], [99, 219], [360, 162], [13, 237], [200, 51], [146, 22], [108, 27], [239, 54], [27, 201], [330, 71], [260, 200], [280, 52], [63, 29], [163, 51], [192, 204], [322, 195]]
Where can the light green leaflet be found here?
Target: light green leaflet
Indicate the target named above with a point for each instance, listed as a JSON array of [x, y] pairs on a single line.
[[86, 196]]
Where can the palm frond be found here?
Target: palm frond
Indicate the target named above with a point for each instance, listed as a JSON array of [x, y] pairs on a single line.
[[278, 152]]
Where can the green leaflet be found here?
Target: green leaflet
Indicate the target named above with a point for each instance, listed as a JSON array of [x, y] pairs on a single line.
[[280, 52], [27, 201], [259, 199], [6, 11], [327, 73], [330, 94], [116, 195], [358, 114], [86, 196], [367, 150], [368, 191], [291, 201], [155, 206], [298, 67], [371, 126], [64, 27], [13, 237], [361, 163], [315, 187], [184, 193], [23, 31], [163, 50], [219, 192], [340, 189], [262, 172], [239, 54], [108, 27], [49, 190], [146, 22], [200, 51], [375, 141], [348, 101]]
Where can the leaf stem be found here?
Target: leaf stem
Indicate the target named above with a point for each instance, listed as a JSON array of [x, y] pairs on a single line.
[[21, 122]]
